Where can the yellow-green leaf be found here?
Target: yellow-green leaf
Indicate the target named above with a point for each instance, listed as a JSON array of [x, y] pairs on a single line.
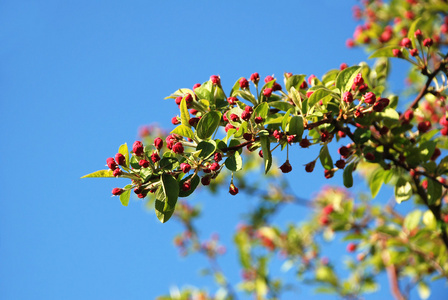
[[100, 173]]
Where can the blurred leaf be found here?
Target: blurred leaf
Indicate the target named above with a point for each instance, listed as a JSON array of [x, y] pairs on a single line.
[[423, 290], [412, 29], [387, 52], [375, 181], [403, 190], [348, 176], [412, 219], [434, 191], [429, 220]]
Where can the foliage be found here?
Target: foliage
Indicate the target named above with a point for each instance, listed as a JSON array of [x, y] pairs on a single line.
[[386, 145]]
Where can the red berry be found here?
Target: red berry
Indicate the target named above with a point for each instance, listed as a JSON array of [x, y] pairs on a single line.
[[186, 186], [436, 154], [340, 164], [111, 163], [351, 247], [328, 173], [276, 87], [193, 121], [325, 136], [303, 85], [233, 190], [405, 42], [427, 42], [247, 136], [205, 180], [117, 191], [258, 120], [305, 143], [309, 167], [344, 152], [369, 156], [137, 148], [424, 126], [328, 209], [286, 167]]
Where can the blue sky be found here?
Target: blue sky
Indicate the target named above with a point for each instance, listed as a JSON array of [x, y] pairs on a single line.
[[77, 79]]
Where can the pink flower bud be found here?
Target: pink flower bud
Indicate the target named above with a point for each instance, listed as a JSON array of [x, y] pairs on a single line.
[[397, 53], [405, 42], [186, 186], [344, 152], [305, 143], [111, 163], [413, 52], [185, 167], [267, 92], [436, 154], [117, 191], [188, 98], [347, 97], [260, 153], [137, 148], [246, 115], [117, 172], [247, 136], [121, 160], [214, 167], [178, 100], [193, 122], [286, 167], [196, 86], [175, 121], [358, 80], [325, 136], [255, 78], [217, 157], [309, 93], [276, 87], [268, 78], [328, 209], [381, 104], [343, 66], [351, 247], [244, 84], [418, 34], [249, 109], [427, 42], [178, 148], [193, 111], [155, 157], [303, 85], [215, 80], [143, 163], [328, 173], [228, 127], [158, 143], [258, 120], [369, 156], [232, 100], [369, 98], [234, 118]]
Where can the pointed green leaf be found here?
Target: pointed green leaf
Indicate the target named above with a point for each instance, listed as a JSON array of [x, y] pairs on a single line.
[[165, 208], [281, 105], [387, 52], [184, 114], [262, 110], [348, 175], [205, 91], [184, 131], [267, 156], [294, 81], [296, 126], [403, 190], [325, 158], [207, 148], [318, 95], [295, 96], [412, 29], [434, 191], [234, 163], [194, 181], [375, 181], [124, 197], [286, 118], [124, 150], [345, 79], [208, 124], [100, 173]]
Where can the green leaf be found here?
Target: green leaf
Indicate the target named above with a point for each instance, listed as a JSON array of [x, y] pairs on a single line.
[[429, 220], [267, 156], [295, 96], [318, 95], [234, 162], [235, 87], [348, 175], [167, 163], [124, 150], [262, 110], [345, 79], [294, 81], [184, 131], [427, 149], [246, 96], [389, 117], [184, 114], [194, 184], [412, 29], [387, 52], [286, 118], [442, 168], [282, 105], [412, 219], [205, 91], [423, 290], [124, 197], [208, 124], [296, 126], [375, 181], [403, 190], [325, 158], [165, 209], [207, 148], [100, 173]]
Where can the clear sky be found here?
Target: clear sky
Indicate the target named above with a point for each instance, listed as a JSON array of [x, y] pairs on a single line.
[[77, 79]]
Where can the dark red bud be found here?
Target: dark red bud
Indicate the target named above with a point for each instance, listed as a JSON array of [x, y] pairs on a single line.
[[309, 167], [137, 148], [158, 143], [117, 172], [111, 163], [117, 191], [286, 167], [185, 167], [233, 190], [244, 84]]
